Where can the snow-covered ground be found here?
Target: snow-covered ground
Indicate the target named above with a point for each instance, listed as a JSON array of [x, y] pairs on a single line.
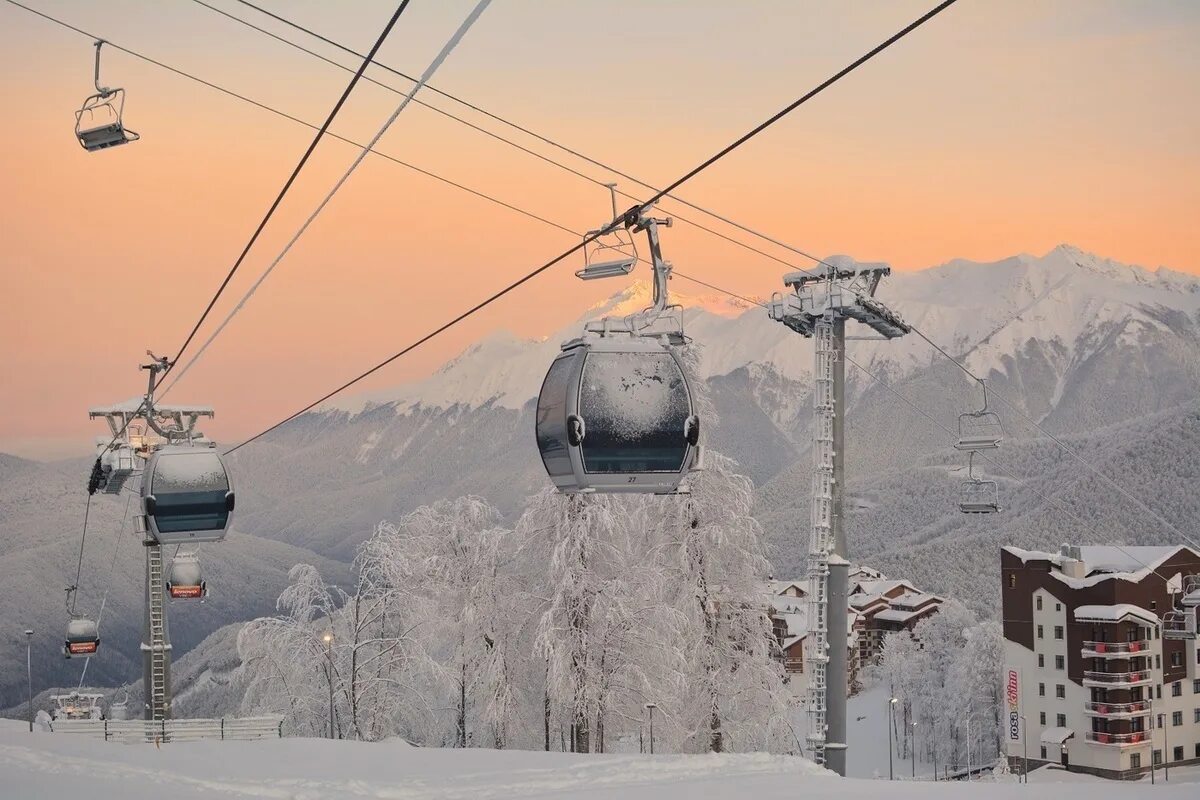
[[46, 765]]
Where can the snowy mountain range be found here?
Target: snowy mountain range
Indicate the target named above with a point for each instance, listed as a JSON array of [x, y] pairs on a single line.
[[1104, 354]]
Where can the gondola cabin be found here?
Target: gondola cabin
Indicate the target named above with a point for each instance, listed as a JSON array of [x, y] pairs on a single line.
[[185, 581], [615, 414], [187, 496], [83, 637]]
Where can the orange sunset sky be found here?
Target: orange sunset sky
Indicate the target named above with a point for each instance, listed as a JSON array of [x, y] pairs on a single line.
[[1003, 126]]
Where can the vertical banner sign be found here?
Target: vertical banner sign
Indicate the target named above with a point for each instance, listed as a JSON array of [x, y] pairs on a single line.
[[1012, 691]]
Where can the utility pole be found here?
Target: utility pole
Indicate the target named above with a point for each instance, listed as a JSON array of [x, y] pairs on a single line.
[[650, 707], [29, 671], [820, 303], [914, 750]]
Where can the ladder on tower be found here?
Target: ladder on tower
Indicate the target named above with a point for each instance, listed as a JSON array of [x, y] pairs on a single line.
[[821, 543], [157, 690]]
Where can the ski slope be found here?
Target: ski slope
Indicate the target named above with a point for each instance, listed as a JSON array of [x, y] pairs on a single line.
[[46, 765]]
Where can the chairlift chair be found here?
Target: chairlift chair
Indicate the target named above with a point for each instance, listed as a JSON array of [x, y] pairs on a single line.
[[99, 123], [610, 254], [187, 496], [1191, 592], [83, 637], [1178, 624], [978, 496], [186, 581], [979, 430]]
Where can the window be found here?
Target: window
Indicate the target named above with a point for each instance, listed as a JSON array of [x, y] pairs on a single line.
[[1158, 662], [1197, 749], [1178, 754], [1039, 602], [1060, 720], [1042, 718], [1043, 752], [1176, 719], [1041, 660], [1196, 715], [1012, 580], [1041, 633], [1159, 721], [1153, 605], [1196, 686], [1058, 631], [1059, 662], [1157, 756], [1158, 692], [1060, 690], [1177, 689], [1058, 606], [1135, 760], [1041, 690], [1177, 659]]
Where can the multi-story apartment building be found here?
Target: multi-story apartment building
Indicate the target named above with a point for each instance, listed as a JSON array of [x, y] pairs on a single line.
[[1094, 679]]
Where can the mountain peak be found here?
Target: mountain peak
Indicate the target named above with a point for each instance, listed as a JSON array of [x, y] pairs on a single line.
[[640, 294]]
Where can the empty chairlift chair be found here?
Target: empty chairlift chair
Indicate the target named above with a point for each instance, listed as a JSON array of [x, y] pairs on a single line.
[[979, 430], [186, 581], [615, 414], [609, 254], [1178, 624], [83, 637], [187, 496], [976, 495], [1191, 592], [99, 124]]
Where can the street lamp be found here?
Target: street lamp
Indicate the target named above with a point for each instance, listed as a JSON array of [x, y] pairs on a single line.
[[1025, 745], [327, 638], [650, 707], [29, 671], [890, 717], [914, 750]]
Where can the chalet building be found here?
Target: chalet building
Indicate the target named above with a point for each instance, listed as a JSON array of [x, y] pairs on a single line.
[[886, 606], [1101, 657], [877, 606]]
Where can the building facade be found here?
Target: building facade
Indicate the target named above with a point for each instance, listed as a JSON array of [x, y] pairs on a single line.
[[1093, 681]]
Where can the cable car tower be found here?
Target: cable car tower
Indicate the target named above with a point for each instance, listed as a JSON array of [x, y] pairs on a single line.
[[817, 307], [186, 498]]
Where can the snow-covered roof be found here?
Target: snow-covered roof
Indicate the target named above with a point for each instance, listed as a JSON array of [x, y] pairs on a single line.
[[881, 586], [1056, 735], [901, 616], [1114, 613], [1132, 563]]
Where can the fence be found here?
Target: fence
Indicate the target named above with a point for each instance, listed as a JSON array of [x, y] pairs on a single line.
[[173, 730]]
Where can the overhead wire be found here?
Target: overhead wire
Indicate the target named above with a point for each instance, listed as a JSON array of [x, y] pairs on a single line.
[[337, 107], [438, 60], [112, 568], [620, 219]]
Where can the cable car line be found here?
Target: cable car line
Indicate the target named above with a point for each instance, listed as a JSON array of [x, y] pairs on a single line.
[[633, 212], [529, 132], [112, 568], [73, 589], [291, 178], [438, 60]]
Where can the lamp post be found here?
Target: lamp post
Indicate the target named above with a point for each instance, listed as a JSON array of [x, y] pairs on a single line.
[[29, 671], [1025, 745], [914, 750], [888, 721], [650, 707], [327, 637]]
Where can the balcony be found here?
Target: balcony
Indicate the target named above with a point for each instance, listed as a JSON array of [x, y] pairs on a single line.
[[1117, 710], [1115, 649], [1117, 679], [1117, 739]]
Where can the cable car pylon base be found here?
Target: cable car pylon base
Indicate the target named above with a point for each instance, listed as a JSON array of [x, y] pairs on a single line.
[[817, 307]]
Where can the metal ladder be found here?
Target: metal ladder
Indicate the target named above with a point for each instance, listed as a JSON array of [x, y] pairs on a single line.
[[821, 543], [157, 691]]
